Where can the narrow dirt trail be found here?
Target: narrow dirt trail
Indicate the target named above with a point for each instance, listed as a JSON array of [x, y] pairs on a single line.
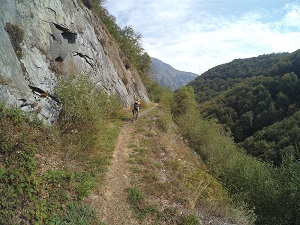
[[115, 210], [111, 202]]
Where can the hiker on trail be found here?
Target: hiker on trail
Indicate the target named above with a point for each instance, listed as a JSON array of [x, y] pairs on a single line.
[[135, 110], [139, 104]]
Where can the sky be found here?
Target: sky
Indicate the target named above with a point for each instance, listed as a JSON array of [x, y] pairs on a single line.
[[196, 35]]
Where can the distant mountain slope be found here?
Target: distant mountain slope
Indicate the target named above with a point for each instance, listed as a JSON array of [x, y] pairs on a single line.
[[167, 76]]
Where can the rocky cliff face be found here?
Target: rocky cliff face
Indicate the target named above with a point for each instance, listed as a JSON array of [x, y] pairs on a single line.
[[59, 38]]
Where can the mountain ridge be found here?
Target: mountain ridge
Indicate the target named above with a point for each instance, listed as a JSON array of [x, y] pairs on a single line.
[[167, 76]]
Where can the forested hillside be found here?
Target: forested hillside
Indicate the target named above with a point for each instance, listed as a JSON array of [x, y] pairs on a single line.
[[257, 99]]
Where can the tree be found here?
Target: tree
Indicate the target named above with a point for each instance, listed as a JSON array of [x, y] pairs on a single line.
[[144, 63], [288, 196], [184, 101], [282, 101]]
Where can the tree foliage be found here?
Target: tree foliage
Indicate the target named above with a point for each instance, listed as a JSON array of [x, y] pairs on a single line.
[[129, 41], [184, 101], [272, 192], [225, 76], [258, 101]]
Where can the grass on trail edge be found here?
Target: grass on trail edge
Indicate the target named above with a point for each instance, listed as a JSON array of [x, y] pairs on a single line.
[[44, 176], [169, 182]]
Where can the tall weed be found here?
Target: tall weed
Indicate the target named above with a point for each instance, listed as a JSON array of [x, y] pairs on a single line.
[[86, 111]]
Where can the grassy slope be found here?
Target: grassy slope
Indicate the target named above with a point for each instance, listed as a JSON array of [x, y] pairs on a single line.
[[45, 174], [169, 184]]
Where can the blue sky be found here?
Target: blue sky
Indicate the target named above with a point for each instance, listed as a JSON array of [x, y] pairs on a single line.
[[196, 35]]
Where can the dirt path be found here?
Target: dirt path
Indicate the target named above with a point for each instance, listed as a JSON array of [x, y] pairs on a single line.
[[111, 201]]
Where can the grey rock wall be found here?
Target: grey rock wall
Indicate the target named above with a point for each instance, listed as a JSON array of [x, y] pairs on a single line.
[[61, 38]]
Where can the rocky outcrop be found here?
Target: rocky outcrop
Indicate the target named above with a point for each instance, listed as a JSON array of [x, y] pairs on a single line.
[[60, 38]]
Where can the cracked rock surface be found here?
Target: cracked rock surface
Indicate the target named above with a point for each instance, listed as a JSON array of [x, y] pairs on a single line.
[[60, 38]]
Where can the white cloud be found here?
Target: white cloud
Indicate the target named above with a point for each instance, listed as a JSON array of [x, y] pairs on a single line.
[[192, 39], [292, 17]]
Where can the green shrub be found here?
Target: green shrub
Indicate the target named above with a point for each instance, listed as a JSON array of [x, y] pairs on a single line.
[[254, 183], [165, 123], [20, 187], [76, 213], [135, 197], [184, 101], [86, 111], [85, 185], [28, 195], [281, 202], [16, 116], [33, 193], [189, 219], [82, 103], [138, 203], [154, 89]]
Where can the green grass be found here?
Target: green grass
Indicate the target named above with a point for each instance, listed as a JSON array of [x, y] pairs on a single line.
[[76, 213], [144, 209], [100, 160], [19, 179], [164, 168], [190, 219]]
